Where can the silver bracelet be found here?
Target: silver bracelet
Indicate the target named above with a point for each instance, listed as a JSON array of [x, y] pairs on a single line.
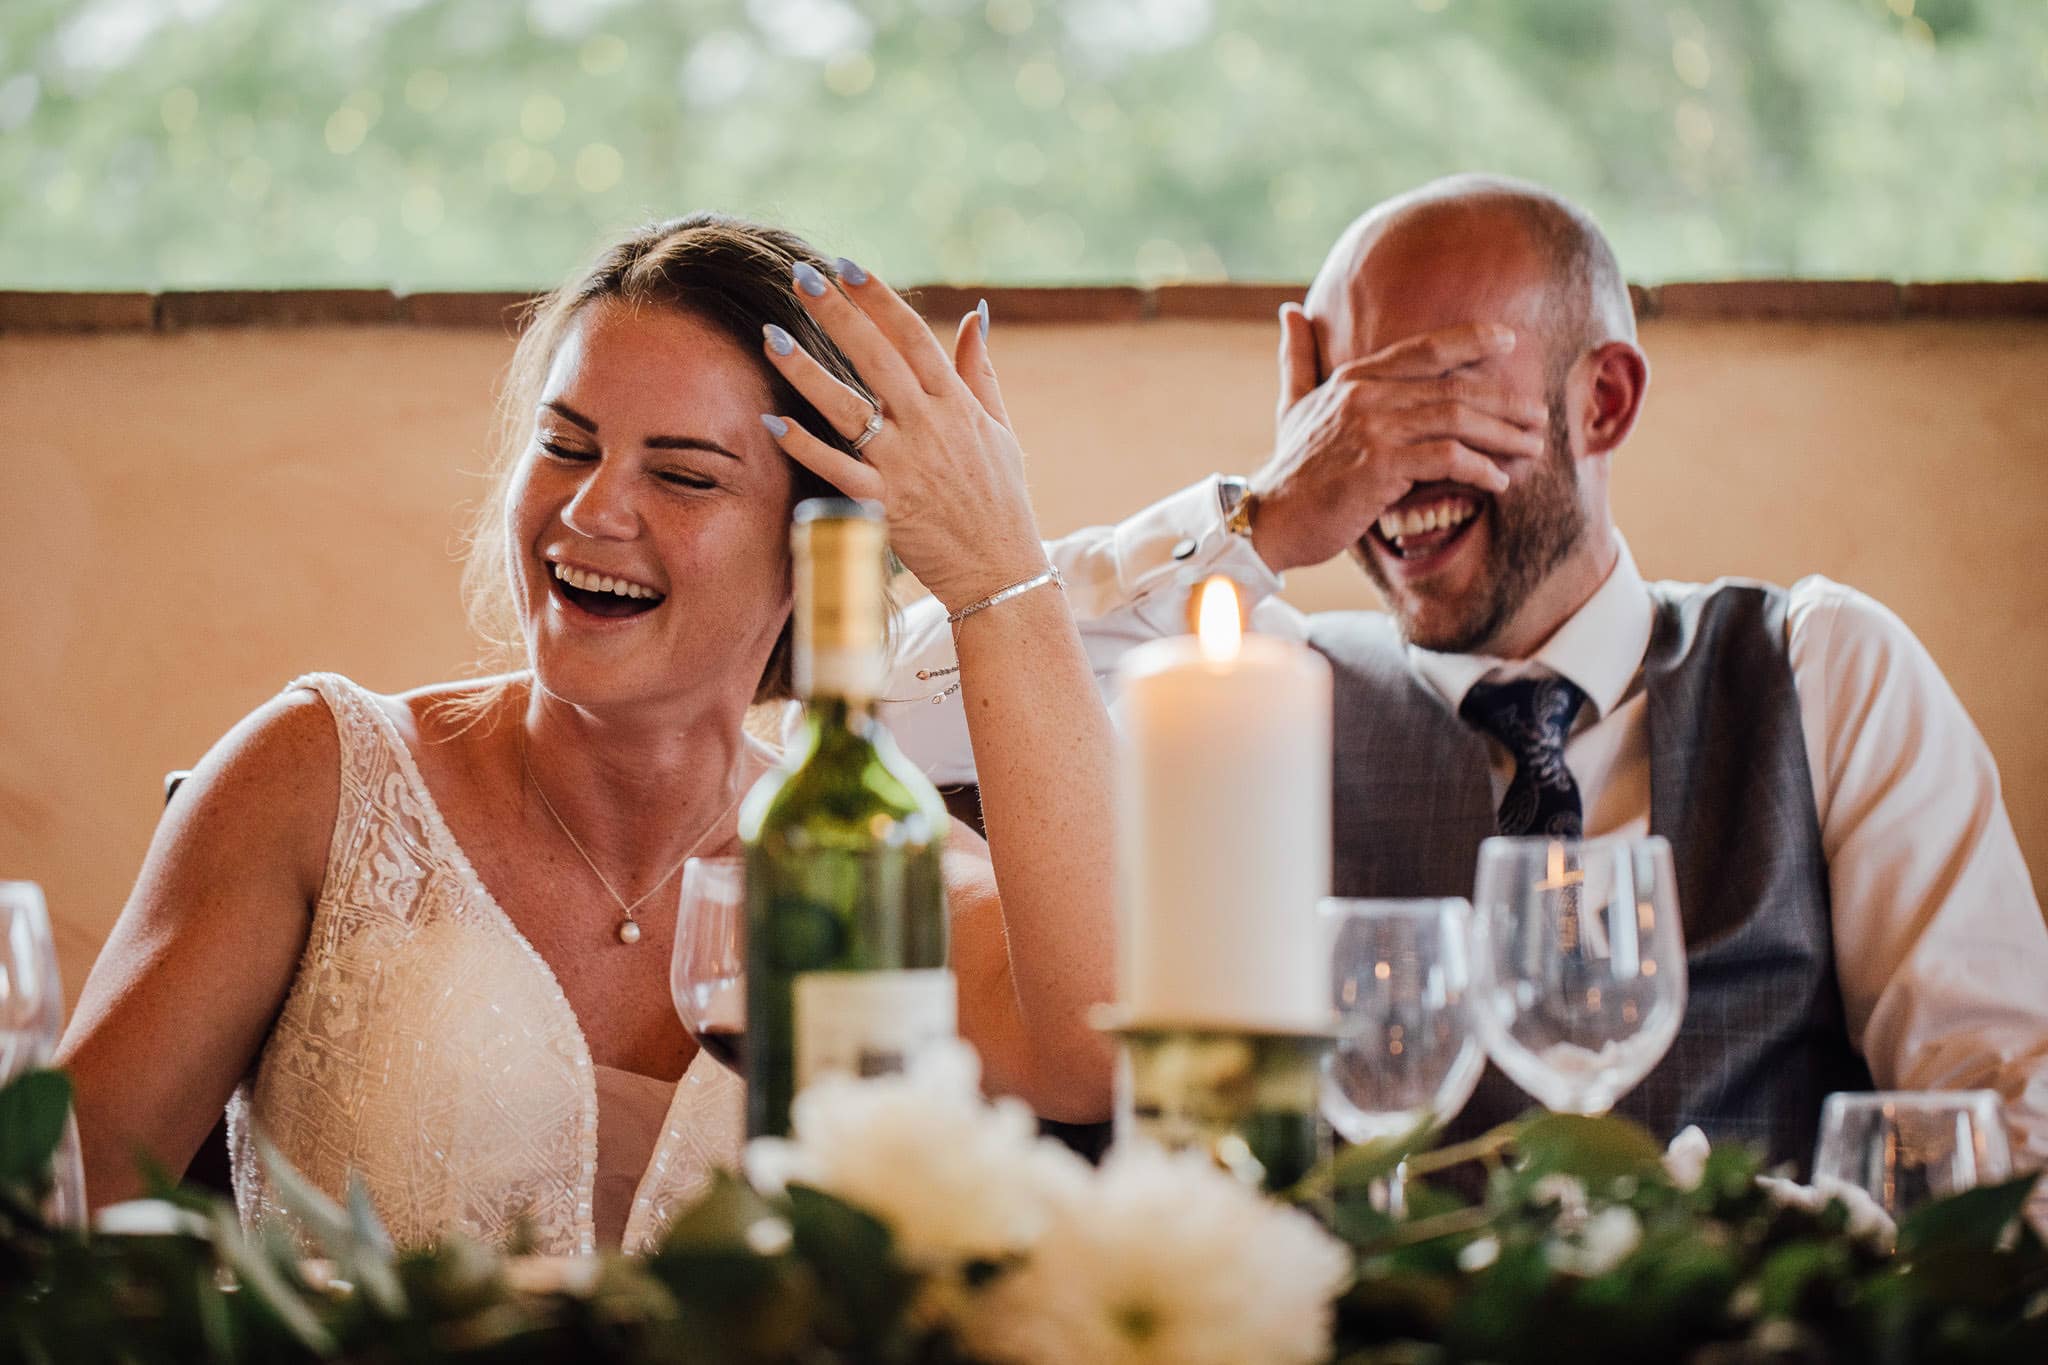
[[1002, 595]]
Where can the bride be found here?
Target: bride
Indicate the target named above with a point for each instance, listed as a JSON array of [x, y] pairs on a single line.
[[391, 932]]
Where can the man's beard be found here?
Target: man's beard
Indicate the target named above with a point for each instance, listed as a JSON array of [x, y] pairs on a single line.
[[1534, 529]]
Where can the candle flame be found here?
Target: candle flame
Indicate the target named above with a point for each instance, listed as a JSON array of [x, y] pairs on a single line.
[[1560, 877], [1217, 627]]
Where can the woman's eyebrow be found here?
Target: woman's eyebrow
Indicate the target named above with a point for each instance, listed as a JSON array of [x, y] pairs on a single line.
[[689, 443], [570, 414]]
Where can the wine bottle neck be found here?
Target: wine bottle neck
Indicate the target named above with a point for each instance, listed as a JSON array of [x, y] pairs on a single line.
[[849, 673], [833, 711], [840, 614]]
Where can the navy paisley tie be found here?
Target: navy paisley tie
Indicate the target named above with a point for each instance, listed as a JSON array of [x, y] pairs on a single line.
[[1532, 717]]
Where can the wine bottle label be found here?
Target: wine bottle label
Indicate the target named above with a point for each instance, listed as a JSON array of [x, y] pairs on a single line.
[[869, 1023]]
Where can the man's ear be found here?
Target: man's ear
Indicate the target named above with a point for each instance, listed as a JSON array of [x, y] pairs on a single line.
[[1618, 374]]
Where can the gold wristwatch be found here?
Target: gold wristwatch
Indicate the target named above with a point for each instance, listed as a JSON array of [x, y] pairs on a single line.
[[1238, 503]]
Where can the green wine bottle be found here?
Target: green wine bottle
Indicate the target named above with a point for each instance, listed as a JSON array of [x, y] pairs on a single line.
[[846, 896]]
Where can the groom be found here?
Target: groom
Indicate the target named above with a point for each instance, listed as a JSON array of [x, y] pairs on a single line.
[[1453, 392]]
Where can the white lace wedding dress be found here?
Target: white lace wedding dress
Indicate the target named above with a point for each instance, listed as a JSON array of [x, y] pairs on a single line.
[[427, 1049]]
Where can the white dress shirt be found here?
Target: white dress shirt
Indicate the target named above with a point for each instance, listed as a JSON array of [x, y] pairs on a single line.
[[1940, 946]]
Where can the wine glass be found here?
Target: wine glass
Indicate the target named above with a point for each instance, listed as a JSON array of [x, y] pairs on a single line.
[[1906, 1148], [31, 1016], [1405, 1052], [1578, 964], [707, 975], [1406, 1056]]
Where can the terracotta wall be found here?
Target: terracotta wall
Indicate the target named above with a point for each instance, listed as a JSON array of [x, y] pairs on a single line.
[[193, 517]]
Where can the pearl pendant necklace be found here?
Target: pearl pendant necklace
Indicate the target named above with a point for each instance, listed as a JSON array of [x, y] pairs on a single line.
[[629, 928]]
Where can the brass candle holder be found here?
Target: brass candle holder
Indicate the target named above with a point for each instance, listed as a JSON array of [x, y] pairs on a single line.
[[1247, 1097]]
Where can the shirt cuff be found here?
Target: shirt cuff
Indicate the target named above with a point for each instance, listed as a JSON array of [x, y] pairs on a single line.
[[1162, 553]]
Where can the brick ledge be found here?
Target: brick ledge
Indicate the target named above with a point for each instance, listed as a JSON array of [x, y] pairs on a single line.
[[1793, 300]]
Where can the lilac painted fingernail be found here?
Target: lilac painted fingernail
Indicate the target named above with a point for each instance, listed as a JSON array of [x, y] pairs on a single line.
[[850, 272], [779, 341], [982, 309], [776, 426], [809, 280]]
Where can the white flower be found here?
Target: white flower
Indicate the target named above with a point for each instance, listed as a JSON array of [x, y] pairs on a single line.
[[1603, 1243], [1567, 1193], [1685, 1160], [1867, 1218], [1166, 1259], [1478, 1254], [955, 1177]]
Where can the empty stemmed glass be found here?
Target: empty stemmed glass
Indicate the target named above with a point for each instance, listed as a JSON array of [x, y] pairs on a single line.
[[1906, 1148], [1578, 964], [1405, 1054], [31, 1016], [707, 974], [1406, 1057]]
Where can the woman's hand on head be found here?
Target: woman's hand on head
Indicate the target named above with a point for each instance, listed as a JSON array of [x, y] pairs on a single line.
[[945, 464]]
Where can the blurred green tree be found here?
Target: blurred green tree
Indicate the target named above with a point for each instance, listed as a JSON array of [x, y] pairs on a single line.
[[490, 143]]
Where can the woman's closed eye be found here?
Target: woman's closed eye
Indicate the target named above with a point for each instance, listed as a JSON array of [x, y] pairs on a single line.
[[674, 477]]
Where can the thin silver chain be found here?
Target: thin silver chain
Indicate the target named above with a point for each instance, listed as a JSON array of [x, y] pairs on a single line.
[[591, 863]]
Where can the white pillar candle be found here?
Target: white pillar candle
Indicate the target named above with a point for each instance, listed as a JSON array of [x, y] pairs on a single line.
[[1224, 838]]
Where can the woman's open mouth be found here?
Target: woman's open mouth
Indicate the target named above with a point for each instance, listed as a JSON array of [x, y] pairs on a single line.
[[1421, 529], [600, 594]]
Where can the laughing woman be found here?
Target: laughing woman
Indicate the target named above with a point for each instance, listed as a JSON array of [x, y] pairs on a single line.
[[384, 929]]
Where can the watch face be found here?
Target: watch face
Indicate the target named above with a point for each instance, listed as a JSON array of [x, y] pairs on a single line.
[[1236, 496]]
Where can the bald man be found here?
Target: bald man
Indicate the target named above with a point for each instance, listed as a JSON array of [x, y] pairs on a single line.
[[1453, 392]]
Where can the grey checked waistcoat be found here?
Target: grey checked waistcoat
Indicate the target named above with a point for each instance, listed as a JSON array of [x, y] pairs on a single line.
[[1764, 1039]]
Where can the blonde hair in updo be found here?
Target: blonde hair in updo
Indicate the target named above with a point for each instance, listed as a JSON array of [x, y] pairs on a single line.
[[730, 273]]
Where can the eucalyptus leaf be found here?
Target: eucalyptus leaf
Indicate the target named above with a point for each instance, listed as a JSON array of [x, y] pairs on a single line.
[[1799, 1277], [1977, 1219], [1684, 1282], [458, 1277], [323, 1219], [728, 1250], [1597, 1151], [721, 1219], [1493, 1317], [216, 1322], [853, 1255], [33, 1107], [1354, 1219], [369, 1262], [1728, 1176], [260, 1277], [1971, 1276], [1357, 1167]]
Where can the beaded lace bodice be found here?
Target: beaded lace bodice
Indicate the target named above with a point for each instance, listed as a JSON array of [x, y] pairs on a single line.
[[427, 1049]]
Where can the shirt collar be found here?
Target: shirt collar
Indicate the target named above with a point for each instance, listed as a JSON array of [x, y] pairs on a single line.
[[1599, 648]]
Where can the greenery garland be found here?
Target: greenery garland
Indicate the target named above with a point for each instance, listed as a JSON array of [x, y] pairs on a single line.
[[1715, 1271]]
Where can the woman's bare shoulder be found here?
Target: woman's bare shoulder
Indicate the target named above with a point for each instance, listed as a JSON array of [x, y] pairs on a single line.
[[271, 783], [288, 737]]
